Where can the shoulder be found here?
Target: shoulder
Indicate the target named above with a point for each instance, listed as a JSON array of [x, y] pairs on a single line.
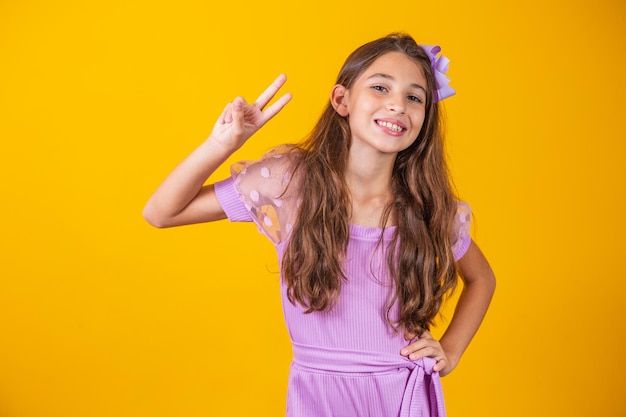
[[460, 230], [271, 177], [463, 212], [277, 164], [268, 192]]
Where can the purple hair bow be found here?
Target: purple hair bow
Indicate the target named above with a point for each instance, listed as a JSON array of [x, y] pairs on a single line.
[[440, 67]]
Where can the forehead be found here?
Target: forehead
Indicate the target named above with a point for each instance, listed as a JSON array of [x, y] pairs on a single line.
[[397, 65]]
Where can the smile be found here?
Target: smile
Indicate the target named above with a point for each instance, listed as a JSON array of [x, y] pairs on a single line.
[[391, 126]]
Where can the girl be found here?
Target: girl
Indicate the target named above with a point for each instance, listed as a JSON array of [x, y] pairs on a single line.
[[369, 236]]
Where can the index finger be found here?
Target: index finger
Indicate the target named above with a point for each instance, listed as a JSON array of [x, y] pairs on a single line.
[[270, 91], [272, 110]]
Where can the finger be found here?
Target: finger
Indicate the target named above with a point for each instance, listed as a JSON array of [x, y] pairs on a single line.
[[225, 117], [440, 365], [422, 348], [277, 106], [414, 347], [237, 115], [423, 353], [270, 91], [426, 335]]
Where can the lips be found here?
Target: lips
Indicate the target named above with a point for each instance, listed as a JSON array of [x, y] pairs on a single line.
[[393, 126]]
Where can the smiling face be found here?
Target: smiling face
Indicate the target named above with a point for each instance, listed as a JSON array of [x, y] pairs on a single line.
[[385, 106]]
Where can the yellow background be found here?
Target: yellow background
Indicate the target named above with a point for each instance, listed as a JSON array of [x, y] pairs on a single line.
[[102, 315]]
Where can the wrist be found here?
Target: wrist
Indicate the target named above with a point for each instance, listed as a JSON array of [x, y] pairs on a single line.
[[454, 355], [217, 148]]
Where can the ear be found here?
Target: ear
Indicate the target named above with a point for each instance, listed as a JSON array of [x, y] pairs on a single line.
[[338, 100]]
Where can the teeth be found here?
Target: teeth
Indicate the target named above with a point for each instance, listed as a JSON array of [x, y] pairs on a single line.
[[390, 126]]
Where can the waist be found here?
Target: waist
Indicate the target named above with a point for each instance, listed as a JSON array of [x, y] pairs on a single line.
[[351, 361]]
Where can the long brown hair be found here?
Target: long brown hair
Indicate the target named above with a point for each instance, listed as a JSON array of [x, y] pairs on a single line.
[[420, 258]]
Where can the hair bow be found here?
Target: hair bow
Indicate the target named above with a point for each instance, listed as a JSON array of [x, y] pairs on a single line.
[[440, 67]]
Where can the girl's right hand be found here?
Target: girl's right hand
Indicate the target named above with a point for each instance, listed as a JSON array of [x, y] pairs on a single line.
[[240, 120]]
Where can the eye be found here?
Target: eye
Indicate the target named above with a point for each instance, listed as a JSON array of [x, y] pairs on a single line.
[[379, 88], [415, 99]]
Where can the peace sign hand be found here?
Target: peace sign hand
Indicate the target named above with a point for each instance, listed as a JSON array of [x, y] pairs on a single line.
[[240, 120]]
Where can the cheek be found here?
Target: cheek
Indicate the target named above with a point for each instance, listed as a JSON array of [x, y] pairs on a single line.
[[409, 143], [418, 122]]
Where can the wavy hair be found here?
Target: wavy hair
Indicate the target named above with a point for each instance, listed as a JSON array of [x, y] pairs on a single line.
[[420, 258]]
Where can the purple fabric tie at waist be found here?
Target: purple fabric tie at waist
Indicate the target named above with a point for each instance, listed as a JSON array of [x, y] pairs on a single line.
[[421, 380]]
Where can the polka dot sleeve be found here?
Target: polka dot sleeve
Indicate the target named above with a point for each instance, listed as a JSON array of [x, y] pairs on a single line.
[[461, 238], [230, 201], [262, 191]]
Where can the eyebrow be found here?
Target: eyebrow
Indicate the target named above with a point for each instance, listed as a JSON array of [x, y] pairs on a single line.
[[389, 77]]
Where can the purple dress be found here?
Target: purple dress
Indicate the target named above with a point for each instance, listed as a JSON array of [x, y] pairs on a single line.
[[346, 361]]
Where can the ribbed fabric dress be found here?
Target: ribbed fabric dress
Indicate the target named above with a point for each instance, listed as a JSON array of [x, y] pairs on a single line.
[[346, 362]]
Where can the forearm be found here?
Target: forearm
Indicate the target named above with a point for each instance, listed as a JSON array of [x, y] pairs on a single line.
[[468, 315], [181, 198], [184, 183]]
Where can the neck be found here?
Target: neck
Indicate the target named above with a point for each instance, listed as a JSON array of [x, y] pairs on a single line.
[[369, 183]]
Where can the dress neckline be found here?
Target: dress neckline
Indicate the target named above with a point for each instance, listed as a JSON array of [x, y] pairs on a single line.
[[371, 233]]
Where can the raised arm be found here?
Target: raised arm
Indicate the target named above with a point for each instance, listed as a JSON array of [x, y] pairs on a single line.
[[183, 198]]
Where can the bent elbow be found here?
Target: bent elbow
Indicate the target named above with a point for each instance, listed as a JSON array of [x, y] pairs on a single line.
[[491, 280], [154, 218]]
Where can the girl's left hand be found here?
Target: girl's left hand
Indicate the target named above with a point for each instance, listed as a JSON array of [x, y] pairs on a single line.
[[427, 346]]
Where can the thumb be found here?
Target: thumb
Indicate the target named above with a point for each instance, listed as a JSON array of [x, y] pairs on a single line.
[[238, 108]]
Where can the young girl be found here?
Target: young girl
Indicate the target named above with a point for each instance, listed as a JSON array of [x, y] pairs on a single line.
[[369, 235]]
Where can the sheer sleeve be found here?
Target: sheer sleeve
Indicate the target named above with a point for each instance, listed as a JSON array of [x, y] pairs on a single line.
[[263, 192], [461, 238]]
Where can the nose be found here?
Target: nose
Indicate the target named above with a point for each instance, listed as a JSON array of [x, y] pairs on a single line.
[[396, 103]]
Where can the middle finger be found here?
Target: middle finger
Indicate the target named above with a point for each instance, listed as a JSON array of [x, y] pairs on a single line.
[[270, 91]]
